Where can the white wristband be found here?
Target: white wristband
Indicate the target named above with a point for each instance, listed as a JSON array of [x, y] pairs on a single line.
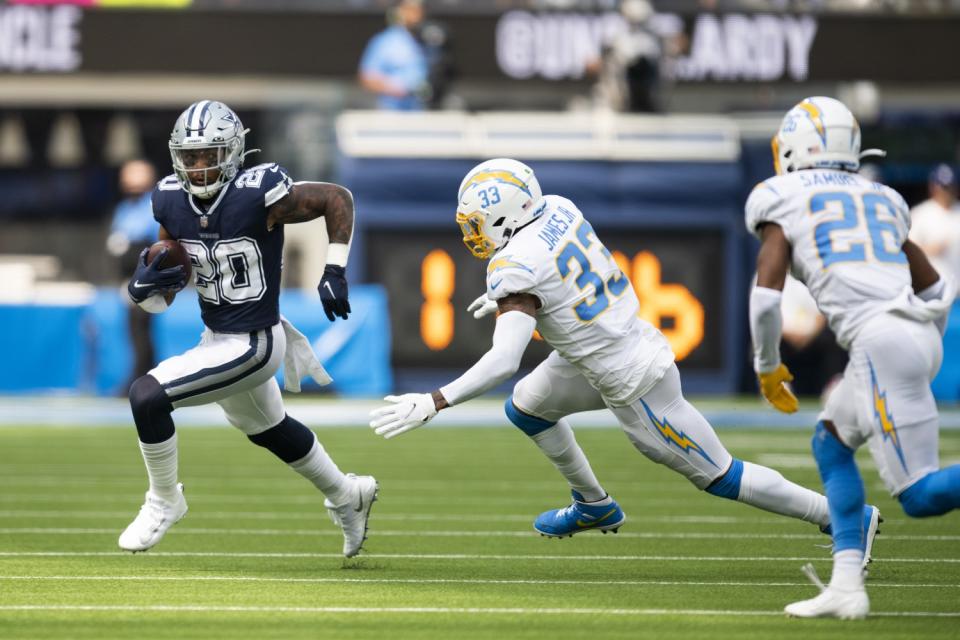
[[338, 253]]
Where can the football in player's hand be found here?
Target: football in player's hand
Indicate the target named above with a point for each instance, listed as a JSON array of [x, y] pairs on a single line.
[[176, 254]]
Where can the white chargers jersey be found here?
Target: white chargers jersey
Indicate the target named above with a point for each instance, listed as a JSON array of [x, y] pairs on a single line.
[[846, 234], [589, 310]]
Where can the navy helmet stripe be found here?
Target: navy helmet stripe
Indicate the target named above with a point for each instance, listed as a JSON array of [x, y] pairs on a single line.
[[195, 117], [186, 120], [226, 383], [203, 113]]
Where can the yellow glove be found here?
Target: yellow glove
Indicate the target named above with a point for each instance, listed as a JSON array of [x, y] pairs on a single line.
[[773, 386]]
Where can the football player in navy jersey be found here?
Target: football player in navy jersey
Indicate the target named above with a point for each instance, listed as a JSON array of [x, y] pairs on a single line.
[[231, 220]]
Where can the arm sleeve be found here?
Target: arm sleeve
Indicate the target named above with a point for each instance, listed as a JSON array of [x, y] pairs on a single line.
[[765, 328], [510, 339]]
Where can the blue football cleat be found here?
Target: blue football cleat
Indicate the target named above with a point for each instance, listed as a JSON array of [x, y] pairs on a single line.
[[580, 516], [871, 527]]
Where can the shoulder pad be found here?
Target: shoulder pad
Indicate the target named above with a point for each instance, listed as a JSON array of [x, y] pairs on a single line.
[[268, 178], [510, 274], [765, 204]]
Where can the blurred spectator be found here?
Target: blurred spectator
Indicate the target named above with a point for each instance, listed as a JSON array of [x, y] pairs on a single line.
[[394, 64], [133, 229], [935, 224], [434, 37], [629, 68]]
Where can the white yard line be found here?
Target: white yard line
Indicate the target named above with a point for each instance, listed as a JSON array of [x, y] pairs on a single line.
[[599, 583], [646, 535], [453, 556], [444, 610], [424, 517]]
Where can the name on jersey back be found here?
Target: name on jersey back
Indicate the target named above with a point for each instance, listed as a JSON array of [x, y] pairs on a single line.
[[555, 226]]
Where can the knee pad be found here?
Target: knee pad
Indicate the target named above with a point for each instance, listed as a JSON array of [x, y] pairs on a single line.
[[290, 440], [530, 425], [151, 410]]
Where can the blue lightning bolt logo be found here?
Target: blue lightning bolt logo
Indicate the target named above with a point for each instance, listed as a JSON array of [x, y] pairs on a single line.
[[680, 440], [882, 414]]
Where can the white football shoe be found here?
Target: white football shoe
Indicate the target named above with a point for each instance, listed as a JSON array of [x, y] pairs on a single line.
[[155, 517], [352, 515], [831, 603]]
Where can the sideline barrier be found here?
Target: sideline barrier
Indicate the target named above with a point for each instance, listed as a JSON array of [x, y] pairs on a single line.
[[85, 348]]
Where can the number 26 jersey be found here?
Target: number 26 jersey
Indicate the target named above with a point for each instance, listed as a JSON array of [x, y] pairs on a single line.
[[236, 260], [846, 235]]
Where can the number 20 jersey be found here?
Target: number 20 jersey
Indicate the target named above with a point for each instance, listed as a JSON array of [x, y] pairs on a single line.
[[588, 308], [846, 235], [236, 260]]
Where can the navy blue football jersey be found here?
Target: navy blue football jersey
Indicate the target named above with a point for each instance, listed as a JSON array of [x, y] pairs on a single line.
[[236, 259]]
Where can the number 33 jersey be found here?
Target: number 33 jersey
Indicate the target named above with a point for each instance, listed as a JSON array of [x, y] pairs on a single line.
[[846, 235], [588, 308], [236, 260]]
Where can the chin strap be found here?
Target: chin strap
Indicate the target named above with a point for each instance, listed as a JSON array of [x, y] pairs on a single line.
[[246, 153], [873, 153]]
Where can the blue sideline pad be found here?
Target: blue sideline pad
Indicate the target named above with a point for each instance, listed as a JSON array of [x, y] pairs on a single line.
[[86, 348]]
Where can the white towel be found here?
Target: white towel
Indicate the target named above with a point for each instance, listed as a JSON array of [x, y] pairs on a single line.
[[300, 360], [908, 305]]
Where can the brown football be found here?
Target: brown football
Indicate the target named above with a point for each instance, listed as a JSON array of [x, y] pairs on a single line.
[[176, 255]]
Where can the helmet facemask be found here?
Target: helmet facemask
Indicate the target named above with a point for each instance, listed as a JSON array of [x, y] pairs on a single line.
[[471, 225], [207, 148]]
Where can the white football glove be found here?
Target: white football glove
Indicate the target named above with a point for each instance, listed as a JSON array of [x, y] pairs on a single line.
[[409, 411], [483, 306]]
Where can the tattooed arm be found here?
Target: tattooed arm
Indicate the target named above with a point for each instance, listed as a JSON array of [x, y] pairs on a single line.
[[308, 201]]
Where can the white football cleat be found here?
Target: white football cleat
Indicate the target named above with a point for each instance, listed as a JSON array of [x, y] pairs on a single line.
[[155, 517], [831, 603], [352, 516]]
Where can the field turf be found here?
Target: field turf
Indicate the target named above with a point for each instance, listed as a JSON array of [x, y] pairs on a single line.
[[451, 552]]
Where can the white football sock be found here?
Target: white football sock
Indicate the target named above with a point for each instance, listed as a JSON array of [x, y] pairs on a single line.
[[765, 488], [560, 446], [323, 472], [161, 461], [847, 570]]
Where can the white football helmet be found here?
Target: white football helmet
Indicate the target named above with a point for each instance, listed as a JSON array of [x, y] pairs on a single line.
[[208, 134], [496, 198], [818, 133]]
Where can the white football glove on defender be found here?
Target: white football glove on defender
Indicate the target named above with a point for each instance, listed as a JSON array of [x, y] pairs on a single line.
[[483, 306], [409, 411]]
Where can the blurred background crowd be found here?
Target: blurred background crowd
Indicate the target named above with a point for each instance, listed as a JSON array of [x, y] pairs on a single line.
[[653, 115]]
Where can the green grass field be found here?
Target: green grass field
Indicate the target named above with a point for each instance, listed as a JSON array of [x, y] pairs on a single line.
[[451, 552]]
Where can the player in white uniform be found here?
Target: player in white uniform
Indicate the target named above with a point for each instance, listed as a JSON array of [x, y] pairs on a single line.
[[845, 237], [549, 271]]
